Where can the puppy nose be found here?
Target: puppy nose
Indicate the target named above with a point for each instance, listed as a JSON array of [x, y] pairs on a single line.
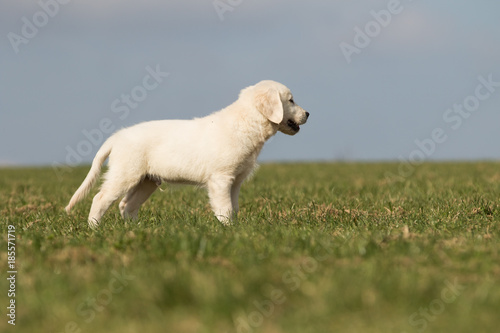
[[307, 114]]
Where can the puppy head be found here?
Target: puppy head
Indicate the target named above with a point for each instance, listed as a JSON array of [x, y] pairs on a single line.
[[275, 102]]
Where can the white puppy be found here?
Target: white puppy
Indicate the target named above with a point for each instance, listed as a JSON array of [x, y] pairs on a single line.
[[218, 152]]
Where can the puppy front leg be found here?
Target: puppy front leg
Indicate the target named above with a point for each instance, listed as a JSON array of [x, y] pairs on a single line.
[[219, 192], [235, 193]]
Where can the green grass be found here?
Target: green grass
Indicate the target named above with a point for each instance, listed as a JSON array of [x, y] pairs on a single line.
[[317, 248]]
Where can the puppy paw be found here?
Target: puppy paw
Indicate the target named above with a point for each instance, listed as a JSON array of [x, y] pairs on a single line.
[[93, 223]]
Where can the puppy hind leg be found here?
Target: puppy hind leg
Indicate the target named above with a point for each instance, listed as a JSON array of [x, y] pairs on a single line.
[[100, 204], [123, 204], [131, 203], [111, 191]]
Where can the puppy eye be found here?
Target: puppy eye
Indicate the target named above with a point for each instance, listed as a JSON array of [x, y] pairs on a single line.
[[291, 101]]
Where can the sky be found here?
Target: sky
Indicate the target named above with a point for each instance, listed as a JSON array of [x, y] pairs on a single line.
[[407, 80]]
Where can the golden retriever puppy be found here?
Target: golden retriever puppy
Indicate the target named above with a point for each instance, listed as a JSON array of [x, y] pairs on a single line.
[[216, 152]]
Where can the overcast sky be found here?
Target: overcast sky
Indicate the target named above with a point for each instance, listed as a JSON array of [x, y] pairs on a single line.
[[382, 80]]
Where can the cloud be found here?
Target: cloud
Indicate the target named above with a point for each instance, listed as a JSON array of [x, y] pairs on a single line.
[[109, 9], [8, 163], [419, 29]]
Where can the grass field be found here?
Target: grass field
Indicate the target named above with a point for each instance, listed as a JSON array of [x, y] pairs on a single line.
[[317, 248]]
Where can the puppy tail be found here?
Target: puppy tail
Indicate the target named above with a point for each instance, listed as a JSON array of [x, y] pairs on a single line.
[[92, 176]]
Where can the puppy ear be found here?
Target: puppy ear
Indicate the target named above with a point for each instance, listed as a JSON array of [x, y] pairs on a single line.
[[268, 102]]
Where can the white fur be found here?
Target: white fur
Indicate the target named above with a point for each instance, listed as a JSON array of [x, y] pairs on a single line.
[[218, 152]]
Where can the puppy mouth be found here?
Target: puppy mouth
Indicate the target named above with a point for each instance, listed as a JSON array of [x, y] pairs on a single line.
[[293, 125]]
